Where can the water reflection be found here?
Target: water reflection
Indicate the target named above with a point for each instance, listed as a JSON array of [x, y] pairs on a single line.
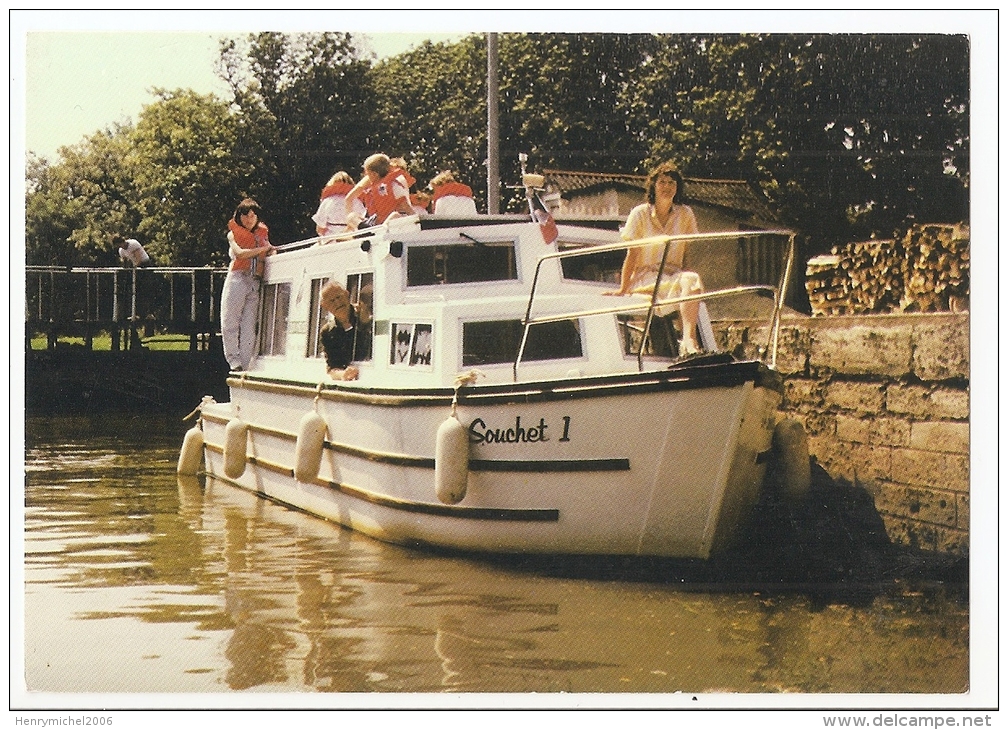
[[137, 581]]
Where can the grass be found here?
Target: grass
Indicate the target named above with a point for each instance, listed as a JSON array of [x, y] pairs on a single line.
[[102, 342]]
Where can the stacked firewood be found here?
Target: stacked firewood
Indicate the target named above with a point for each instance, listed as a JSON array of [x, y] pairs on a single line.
[[937, 269], [875, 271], [857, 278], [827, 285], [926, 270]]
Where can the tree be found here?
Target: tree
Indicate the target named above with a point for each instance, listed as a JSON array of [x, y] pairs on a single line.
[[191, 168], [563, 99], [308, 108], [431, 107], [73, 208], [849, 136], [47, 224], [559, 102]]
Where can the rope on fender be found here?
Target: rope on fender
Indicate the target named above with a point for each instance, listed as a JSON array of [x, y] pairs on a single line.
[[207, 400], [462, 380]]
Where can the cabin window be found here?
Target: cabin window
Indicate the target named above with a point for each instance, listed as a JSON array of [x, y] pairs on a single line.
[[600, 266], [361, 289], [411, 344], [487, 343], [462, 262], [316, 318], [273, 320]]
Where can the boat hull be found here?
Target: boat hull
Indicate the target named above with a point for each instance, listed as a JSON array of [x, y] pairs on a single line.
[[662, 464]]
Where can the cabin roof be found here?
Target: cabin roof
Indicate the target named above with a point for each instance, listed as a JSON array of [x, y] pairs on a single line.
[[736, 196]]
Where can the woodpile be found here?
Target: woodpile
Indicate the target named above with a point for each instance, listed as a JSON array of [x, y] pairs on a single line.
[[926, 270], [937, 269], [827, 286]]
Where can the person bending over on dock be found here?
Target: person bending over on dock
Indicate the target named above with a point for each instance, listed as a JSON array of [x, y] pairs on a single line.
[[384, 190], [663, 215], [337, 337], [248, 246], [131, 251]]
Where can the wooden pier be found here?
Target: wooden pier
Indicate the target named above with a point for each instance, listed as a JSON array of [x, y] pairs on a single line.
[[121, 339], [74, 305]]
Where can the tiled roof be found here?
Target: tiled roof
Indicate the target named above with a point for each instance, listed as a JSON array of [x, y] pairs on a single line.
[[588, 182], [734, 195]]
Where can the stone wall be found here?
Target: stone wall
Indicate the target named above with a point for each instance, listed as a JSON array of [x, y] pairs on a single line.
[[885, 402]]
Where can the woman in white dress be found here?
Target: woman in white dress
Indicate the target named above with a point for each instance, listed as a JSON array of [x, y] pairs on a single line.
[[663, 214]]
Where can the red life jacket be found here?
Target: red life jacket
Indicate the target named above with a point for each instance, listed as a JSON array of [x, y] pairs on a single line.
[[379, 198], [452, 188], [410, 180], [419, 202], [245, 238], [339, 188]]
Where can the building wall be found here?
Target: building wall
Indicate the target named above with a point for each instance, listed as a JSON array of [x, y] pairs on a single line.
[[885, 403], [715, 261], [607, 204]]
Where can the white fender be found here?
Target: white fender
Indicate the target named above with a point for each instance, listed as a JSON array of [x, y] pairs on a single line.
[[790, 445], [451, 461], [191, 454], [308, 448], [235, 448]]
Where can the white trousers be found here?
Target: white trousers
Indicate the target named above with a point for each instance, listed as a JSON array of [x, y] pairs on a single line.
[[239, 310]]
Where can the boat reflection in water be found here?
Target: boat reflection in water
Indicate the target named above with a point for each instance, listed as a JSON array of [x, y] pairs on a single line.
[[138, 582], [317, 606]]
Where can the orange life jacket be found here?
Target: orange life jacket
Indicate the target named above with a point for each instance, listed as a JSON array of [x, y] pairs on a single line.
[[339, 188], [245, 238], [379, 199], [410, 180], [419, 202], [452, 188]]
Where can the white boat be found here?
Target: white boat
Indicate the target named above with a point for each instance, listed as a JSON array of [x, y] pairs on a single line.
[[504, 403]]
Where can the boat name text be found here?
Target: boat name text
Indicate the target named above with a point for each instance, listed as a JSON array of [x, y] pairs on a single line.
[[480, 433]]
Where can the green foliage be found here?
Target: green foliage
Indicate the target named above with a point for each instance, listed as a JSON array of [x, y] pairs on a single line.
[[563, 99], [190, 170], [74, 207], [310, 112], [432, 105], [847, 135]]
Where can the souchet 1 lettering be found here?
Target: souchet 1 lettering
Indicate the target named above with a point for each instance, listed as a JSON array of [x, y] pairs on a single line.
[[480, 433]]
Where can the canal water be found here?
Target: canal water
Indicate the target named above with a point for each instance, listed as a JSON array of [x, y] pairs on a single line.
[[137, 582]]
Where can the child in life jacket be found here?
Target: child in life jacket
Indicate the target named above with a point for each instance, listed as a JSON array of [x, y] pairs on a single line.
[[331, 216], [384, 191], [420, 200], [451, 197]]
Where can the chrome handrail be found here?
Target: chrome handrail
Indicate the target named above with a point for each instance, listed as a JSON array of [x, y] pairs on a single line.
[[329, 238], [781, 295], [779, 291], [628, 308], [35, 269]]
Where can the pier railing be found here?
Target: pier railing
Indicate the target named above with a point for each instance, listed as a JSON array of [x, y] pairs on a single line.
[[131, 307]]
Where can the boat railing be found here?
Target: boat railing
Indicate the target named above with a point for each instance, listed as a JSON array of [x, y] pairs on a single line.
[[778, 292], [327, 239]]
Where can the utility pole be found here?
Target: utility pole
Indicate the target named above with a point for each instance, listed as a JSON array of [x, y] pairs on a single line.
[[493, 128]]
